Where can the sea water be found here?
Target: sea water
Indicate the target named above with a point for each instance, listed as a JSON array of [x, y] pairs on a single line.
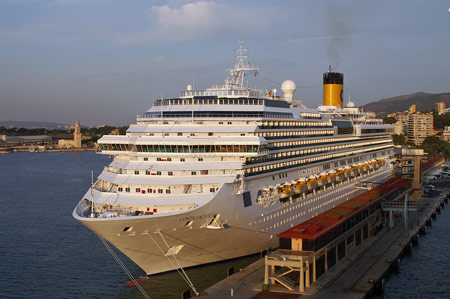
[[46, 253]]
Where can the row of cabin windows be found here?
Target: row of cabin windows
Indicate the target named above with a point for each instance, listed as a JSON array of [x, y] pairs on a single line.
[[169, 173], [315, 150], [299, 162], [161, 148], [290, 134], [151, 191], [294, 124], [192, 134]]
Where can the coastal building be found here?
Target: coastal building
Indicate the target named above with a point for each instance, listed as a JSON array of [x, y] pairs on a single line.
[[412, 109], [398, 128], [77, 136], [446, 133], [420, 126], [26, 140], [65, 141], [440, 107]]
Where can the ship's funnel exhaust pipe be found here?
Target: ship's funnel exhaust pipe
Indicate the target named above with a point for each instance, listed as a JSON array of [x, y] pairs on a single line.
[[333, 88]]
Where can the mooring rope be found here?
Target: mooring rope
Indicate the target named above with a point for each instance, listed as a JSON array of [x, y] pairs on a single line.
[[124, 268], [183, 274]]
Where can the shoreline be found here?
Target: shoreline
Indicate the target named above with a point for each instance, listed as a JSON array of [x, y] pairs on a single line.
[[49, 151]]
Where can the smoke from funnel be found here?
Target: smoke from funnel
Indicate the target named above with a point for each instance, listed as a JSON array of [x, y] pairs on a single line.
[[340, 26]]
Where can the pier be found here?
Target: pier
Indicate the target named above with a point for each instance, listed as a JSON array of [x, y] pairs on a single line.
[[358, 275], [352, 264]]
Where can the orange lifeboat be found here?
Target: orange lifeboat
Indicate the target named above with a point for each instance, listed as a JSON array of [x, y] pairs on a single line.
[[300, 187], [322, 180], [365, 167], [311, 183], [331, 177], [285, 191], [347, 171], [354, 170], [339, 175]]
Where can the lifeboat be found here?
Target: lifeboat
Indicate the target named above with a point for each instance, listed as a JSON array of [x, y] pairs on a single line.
[[311, 184], [372, 164], [377, 164], [300, 187], [382, 161], [322, 180], [331, 177], [285, 191], [347, 172], [365, 167], [339, 175], [360, 168], [354, 170]]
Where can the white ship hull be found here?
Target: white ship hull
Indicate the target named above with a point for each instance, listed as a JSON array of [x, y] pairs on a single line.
[[246, 231]]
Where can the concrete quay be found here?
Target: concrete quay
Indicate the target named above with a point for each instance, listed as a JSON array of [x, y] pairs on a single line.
[[358, 275]]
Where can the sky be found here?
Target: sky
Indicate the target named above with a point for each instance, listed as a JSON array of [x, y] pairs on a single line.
[[105, 61]]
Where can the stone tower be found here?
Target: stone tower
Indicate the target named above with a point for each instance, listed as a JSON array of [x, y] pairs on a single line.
[[77, 136]]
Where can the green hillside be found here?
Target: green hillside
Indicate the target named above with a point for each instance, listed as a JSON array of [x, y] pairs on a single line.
[[423, 101]]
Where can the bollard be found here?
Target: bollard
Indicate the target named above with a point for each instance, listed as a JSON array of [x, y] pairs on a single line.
[[231, 292]]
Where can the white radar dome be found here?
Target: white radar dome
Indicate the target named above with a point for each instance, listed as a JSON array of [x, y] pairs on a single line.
[[288, 88], [189, 87], [288, 85], [350, 104]]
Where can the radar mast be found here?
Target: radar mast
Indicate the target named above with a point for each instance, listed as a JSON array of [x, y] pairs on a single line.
[[242, 66]]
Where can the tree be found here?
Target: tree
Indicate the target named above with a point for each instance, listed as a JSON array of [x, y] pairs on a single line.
[[398, 139], [390, 120]]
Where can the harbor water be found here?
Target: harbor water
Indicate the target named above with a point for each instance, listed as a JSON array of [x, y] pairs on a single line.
[[45, 253]]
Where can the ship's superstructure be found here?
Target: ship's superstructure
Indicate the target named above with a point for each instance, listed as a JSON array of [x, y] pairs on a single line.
[[216, 174]]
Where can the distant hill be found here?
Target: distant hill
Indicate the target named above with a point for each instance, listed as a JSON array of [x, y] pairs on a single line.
[[33, 124], [423, 101]]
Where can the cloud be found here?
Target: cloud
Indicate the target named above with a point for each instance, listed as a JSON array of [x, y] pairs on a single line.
[[187, 22], [316, 38]]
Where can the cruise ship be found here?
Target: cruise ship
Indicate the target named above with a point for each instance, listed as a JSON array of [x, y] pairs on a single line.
[[217, 174]]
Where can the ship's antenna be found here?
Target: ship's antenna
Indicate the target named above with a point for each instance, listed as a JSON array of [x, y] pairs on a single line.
[[241, 67], [161, 106], [92, 193]]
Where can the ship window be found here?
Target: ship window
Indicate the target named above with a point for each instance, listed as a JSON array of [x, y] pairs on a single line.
[[179, 134], [120, 189], [182, 159], [170, 173], [212, 189], [149, 190], [136, 172], [168, 191], [158, 173], [147, 172], [193, 173], [200, 159], [210, 134], [160, 190], [145, 159], [230, 123], [127, 189], [169, 159], [138, 190]]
